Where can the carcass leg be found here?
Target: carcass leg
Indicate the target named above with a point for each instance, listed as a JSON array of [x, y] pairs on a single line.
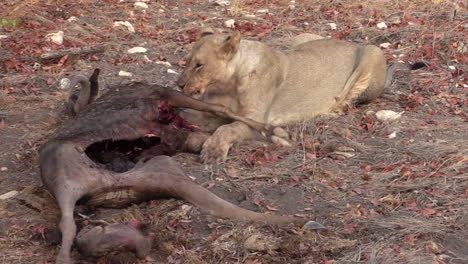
[[67, 226]]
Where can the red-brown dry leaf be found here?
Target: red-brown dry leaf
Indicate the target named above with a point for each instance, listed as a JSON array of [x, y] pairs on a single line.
[[411, 204], [409, 239], [182, 63], [366, 167], [62, 61], [405, 172], [347, 133], [311, 156], [428, 211], [295, 179], [270, 208], [365, 176]]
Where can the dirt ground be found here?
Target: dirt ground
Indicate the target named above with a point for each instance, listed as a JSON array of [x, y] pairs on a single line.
[[390, 191]]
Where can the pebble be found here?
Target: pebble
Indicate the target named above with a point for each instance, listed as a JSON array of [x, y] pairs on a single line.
[[125, 74], [385, 45], [8, 195], [136, 50], [56, 38], [388, 115], [165, 63], [381, 25], [229, 23], [140, 5], [125, 24]]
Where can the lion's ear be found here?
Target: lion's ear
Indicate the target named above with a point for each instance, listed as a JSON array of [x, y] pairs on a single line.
[[230, 45], [205, 31]]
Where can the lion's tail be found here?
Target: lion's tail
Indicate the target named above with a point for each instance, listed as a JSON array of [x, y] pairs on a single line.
[[400, 66]]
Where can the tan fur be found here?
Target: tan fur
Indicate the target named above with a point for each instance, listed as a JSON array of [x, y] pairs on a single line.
[[276, 88]]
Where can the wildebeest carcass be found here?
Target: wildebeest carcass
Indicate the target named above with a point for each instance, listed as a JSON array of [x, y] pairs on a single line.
[[130, 113]]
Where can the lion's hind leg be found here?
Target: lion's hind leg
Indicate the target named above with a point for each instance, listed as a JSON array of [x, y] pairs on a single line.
[[367, 80]]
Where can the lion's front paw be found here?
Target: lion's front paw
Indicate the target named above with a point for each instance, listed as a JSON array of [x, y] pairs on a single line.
[[214, 150]]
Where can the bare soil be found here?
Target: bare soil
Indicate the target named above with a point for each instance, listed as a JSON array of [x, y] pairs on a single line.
[[390, 192]]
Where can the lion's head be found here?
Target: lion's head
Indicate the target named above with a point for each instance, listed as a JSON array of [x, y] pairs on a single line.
[[208, 63]]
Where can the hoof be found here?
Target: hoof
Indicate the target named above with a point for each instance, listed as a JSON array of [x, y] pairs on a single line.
[[312, 225]]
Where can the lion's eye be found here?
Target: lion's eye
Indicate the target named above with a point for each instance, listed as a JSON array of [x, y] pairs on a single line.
[[198, 66]]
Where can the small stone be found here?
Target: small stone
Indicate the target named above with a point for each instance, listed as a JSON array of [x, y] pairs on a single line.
[[3, 36], [3, 169], [8, 195], [222, 2], [64, 84], [125, 74], [263, 11], [140, 5], [385, 45], [165, 63], [229, 23], [146, 59], [392, 135], [381, 25], [171, 71], [388, 115], [332, 26], [56, 38], [136, 50], [125, 24], [72, 19], [37, 66], [452, 68]]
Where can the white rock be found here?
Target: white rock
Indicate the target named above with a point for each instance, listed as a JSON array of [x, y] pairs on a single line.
[[263, 11], [452, 68], [64, 84], [172, 71], [3, 169], [250, 16], [332, 26], [385, 45], [388, 115], [125, 74], [229, 23], [56, 38], [125, 24], [382, 25], [140, 5], [161, 10], [8, 195], [72, 19], [165, 63], [222, 2], [37, 66], [146, 59], [3, 36], [392, 135], [136, 50]]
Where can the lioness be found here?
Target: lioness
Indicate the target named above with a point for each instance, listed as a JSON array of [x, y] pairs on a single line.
[[273, 87]]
